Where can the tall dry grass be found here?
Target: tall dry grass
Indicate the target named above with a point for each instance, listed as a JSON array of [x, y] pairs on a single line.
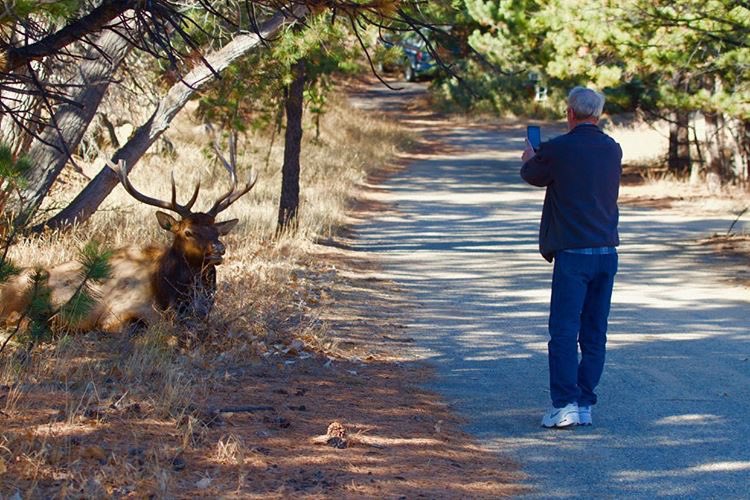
[[263, 301]]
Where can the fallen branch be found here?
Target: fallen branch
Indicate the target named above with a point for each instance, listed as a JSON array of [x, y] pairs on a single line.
[[729, 231]]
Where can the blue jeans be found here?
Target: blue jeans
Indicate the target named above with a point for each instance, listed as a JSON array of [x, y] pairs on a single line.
[[581, 296]]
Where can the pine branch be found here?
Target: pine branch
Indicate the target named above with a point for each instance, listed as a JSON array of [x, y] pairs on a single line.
[[39, 310], [18, 57], [8, 270], [95, 269]]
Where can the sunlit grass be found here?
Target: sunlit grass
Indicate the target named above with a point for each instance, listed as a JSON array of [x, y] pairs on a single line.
[[263, 301]]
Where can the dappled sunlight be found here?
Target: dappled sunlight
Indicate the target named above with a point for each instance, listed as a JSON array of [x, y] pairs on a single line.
[[460, 238], [712, 467], [691, 419], [722, 467]]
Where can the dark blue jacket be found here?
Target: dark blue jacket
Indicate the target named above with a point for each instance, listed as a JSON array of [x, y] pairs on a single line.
[[581, 170]]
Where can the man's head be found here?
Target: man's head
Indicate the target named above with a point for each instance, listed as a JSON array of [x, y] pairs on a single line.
[[584, 106]]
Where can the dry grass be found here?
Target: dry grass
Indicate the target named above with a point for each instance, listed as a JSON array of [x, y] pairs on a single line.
[[68, 413], [641, 142]]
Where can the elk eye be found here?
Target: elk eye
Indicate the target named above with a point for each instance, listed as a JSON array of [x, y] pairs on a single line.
[[188, 233]]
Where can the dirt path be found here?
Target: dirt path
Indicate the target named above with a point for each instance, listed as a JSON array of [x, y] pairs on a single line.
[[459, 235]]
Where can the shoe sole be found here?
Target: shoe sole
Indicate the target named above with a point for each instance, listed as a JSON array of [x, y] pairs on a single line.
[[563, 424]]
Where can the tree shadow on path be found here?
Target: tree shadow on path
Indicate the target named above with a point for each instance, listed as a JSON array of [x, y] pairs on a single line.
[[460, 238]]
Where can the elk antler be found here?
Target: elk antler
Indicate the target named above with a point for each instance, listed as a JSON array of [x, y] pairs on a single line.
[[233, 194], [183, 210]]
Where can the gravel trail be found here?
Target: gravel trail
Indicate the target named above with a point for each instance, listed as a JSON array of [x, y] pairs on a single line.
[[460, 239]]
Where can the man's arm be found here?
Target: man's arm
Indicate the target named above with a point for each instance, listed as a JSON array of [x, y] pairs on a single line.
[[536, 169]]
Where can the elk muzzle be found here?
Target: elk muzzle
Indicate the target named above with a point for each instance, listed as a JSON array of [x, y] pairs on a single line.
[[215, 254]]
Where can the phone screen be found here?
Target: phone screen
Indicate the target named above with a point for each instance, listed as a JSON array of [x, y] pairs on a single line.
[[534, 135]]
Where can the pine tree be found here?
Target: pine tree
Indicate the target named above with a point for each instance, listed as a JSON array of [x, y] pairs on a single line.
[[667, 59]]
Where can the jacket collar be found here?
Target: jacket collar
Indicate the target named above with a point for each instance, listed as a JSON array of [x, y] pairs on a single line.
[[585, 127]]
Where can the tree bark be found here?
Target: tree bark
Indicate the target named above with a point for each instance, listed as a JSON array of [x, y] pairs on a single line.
[[289, 203], [88, 201], [714, 157], [716, 165], [679, 143], [744, 133], [696, 167], [27, 107], [50, 153], [18, 57]]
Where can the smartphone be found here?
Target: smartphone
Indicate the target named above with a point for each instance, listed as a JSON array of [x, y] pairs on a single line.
[[534, 135]]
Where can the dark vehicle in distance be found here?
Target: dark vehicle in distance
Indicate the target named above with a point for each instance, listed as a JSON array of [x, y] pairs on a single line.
[[407, 53]]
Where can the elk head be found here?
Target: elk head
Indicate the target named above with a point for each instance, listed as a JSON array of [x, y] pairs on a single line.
[[196, 234]]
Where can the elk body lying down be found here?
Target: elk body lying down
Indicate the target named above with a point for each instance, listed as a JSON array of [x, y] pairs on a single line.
[[144, 281]]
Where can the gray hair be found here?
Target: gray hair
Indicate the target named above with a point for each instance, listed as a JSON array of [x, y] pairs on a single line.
[[585, 103]]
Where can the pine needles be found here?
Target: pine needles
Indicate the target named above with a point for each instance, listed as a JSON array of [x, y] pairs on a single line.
[[95, 269], [40, 317]]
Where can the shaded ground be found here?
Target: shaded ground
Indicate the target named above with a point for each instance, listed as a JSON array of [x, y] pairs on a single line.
[[402, 440], [458, 232]]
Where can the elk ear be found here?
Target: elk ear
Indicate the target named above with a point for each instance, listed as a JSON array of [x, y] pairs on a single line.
[[226, 226], [166, 221]]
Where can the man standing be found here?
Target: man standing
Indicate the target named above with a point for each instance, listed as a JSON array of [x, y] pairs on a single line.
[[581, 171]]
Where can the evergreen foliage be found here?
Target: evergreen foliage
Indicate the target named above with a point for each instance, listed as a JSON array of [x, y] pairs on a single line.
[[11, 178], [95, 268], [11, 173], [633, 48], [24, 8], [38, 323], [654, 57], [7, 270], [250, 94], [39, 311]]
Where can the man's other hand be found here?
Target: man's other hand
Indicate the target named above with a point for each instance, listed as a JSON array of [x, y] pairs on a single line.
[[528, 153]]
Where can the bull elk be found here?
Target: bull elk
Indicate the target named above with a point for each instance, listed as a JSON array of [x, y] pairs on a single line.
[[145, 281]]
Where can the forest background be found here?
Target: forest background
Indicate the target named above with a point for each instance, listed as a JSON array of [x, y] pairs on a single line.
[[83, 82], [675, 61]]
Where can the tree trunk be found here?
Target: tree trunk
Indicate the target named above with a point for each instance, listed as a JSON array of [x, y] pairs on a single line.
[[679, 143], [744, 134], [88, 201], [717, 170], [697, 166], [289, 204], [49, 155], [714, 158], [26, 106]]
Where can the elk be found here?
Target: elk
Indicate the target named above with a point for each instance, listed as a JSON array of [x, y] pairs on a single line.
[[146, 281]]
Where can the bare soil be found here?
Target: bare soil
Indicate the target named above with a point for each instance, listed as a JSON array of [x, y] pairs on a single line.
[[259, 429], [340, 416]]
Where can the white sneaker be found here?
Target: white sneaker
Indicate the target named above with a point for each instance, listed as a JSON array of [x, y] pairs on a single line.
[[584, 415], [561, 417]]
